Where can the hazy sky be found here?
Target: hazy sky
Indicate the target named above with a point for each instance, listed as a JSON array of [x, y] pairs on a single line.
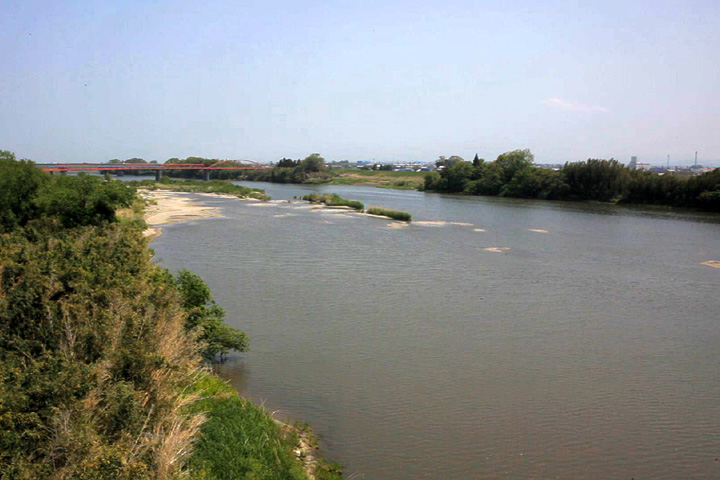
[[385, 80]]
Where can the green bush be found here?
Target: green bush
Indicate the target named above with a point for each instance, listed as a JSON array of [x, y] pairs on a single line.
[[205, 316], [394, 214], [333, 200]]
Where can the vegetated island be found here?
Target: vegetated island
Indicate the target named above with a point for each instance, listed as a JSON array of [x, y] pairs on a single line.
[[103, 354], [335, 200]]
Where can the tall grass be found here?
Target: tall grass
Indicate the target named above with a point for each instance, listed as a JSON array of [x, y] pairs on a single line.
[[239, 439], [333, 200], [394, 214]]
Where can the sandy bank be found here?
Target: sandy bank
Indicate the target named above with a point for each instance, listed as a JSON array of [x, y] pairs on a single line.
[[172, 207]]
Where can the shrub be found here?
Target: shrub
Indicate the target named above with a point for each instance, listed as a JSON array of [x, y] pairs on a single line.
[[333, 200], [394, 214]]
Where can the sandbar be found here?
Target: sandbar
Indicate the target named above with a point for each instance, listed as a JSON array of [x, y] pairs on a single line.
[[435, 223], [712, 263], [398, 225], [172, 207], [496, 249]]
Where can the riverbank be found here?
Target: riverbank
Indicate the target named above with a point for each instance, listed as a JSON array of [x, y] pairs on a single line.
[[234, 433], [166, 207]]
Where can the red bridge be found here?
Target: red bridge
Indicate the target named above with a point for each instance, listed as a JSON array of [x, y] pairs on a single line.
[[157, 167]]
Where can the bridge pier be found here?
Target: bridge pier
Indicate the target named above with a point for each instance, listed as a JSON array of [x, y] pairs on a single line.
[[206, 175], [158, 175]]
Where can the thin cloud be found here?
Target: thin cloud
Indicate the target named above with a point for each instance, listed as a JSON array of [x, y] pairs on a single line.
[[555, 102]]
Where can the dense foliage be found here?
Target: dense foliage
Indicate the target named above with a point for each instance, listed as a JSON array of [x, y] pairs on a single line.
[[394, 214], [27, 193], [333, 200], [99, 348], [513, 174], [94, 355], [207, 317], [311, 169]]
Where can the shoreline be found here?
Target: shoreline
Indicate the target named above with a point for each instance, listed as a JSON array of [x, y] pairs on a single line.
[[167, 207]]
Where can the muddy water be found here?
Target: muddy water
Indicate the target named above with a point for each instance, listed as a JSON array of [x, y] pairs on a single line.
[[491, 338]]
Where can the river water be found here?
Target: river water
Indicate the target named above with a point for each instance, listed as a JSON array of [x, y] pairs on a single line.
[[584, 344]]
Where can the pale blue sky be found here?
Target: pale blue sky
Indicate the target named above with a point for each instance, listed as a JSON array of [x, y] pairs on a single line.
[[386, 80]]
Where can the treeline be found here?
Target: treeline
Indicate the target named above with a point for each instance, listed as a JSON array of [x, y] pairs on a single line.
[[101, 351], [311, 169], [513, 174], [130, 161]]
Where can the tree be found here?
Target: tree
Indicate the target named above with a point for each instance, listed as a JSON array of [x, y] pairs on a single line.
[[207, 317], [82, 200], [312, 164], [433, 181], [457, 176], [287, 163], [595, 179], [20, 182], [448, 162], [512, 162]]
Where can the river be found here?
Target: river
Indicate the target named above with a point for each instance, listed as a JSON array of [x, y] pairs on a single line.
[[584, 344]]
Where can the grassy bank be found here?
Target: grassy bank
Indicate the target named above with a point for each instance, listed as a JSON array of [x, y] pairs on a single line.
[[333, 200], [224, 187], [379, 178], [241, 440], [238, 438], [394, 214]]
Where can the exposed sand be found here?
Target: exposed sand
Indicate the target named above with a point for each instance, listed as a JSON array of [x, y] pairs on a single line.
[[308, 207], [497, 249], [437, 223], [478, 229], [398, 225], [440, 223], [712, 263], [172, 207], [537, 230]]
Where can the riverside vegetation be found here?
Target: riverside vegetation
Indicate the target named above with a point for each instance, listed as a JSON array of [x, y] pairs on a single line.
[[103, 353], [335, 200], [513, 174], [394, 214]]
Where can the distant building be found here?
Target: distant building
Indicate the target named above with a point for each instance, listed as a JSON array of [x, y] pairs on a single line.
[[633, 163]]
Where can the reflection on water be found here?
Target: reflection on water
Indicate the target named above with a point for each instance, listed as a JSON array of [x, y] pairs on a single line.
[[590, 351]]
